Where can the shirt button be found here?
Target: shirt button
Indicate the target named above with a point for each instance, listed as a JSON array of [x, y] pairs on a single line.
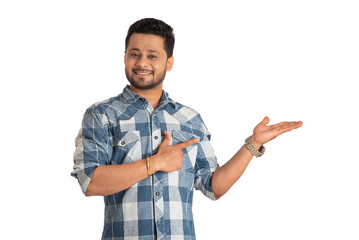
[[156, 137], [123, 143], [157, 193]]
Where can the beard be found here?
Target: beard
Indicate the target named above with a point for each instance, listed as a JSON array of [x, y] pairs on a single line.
[[142, 83]]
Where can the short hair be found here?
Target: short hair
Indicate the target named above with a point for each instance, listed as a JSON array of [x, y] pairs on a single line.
[[155, 27]]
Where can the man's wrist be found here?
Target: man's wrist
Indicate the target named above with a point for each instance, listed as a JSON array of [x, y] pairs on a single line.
[[154, 164], [148, 165], [254, 148], [256, 145]]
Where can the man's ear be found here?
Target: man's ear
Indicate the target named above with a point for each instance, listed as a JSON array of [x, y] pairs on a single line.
[[170, 62], [124, 58]]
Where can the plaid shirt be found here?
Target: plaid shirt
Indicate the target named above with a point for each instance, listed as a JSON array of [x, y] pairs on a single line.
[[125, 129]]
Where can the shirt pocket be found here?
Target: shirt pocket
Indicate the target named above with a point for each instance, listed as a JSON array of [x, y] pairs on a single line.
[[180, 136], [190, 152], [127, 148]]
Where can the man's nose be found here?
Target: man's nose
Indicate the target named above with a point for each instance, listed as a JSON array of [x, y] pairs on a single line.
[[142, 62]]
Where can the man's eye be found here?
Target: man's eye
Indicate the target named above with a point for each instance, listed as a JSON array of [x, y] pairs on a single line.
[[133, 54], [152, 56]]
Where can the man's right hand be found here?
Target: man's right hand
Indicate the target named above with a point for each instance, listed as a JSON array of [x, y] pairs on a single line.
[[169, 158]]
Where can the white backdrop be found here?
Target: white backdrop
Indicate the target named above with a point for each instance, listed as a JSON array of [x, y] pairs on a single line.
[[235, 62]]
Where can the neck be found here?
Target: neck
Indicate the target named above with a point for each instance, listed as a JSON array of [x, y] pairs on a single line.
[[153, 95]]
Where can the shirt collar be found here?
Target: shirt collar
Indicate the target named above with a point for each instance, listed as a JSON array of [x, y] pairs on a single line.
[[132, 97]]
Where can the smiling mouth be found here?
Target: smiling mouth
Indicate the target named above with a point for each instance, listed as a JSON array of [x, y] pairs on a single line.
[[142, 72]]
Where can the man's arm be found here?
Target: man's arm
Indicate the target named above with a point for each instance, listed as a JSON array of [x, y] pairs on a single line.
[[225, 176], [111, 179]]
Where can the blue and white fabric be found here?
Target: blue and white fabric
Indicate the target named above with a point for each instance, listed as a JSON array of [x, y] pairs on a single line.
[[126, 128]]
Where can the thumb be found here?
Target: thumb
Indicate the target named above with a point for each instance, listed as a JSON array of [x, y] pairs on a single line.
[[265, 121], [167, 139]]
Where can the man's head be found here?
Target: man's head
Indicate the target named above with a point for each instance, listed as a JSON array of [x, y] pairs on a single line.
[[148, 56], [154, 27]]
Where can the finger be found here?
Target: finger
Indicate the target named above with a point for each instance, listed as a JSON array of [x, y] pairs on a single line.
[[263, 123], [265, 120], [288, 126], [296, 125], [188, 143], [167, 139]]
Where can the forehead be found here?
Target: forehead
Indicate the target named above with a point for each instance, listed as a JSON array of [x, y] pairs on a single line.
[[146, 42]]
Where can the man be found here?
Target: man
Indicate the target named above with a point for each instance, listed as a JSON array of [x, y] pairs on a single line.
[[146, 153]]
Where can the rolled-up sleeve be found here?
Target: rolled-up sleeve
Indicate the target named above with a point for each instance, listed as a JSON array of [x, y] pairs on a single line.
[[206, 164], [93, 148]]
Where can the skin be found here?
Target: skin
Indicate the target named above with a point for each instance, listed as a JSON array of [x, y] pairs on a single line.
[[225, 176], [146, 64]]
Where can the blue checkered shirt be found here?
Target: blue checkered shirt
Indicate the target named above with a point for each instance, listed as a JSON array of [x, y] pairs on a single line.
[[125, 129]]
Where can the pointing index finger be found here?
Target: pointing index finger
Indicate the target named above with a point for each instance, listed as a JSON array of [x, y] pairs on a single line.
[[188, 143]]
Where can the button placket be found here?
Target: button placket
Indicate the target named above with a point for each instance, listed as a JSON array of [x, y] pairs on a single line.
[[159, 204], [158, 192], [156, 138], [157, 179]]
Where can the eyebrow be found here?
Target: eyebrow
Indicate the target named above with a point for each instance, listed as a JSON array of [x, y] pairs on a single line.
[[151, 50], [154, 51], [134, 49]]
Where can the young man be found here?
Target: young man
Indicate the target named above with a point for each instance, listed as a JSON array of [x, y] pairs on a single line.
[[146, 153]]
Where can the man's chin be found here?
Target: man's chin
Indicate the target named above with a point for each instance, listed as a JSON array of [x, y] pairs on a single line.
[[144, 85]]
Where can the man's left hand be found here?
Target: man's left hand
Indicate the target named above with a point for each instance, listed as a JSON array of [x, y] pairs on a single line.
[[264, 133]]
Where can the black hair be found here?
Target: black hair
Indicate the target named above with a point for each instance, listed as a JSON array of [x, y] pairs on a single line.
[[155, 27]]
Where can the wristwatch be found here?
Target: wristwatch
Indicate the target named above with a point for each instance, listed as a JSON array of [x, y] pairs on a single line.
[[252, 149]]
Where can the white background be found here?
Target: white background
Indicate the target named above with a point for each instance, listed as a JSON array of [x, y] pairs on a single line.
[[235, 62]]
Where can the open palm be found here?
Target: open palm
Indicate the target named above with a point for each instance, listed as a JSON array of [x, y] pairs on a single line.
[[264, 133]]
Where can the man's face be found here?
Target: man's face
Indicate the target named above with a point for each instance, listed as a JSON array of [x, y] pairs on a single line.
[[146, 61]]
